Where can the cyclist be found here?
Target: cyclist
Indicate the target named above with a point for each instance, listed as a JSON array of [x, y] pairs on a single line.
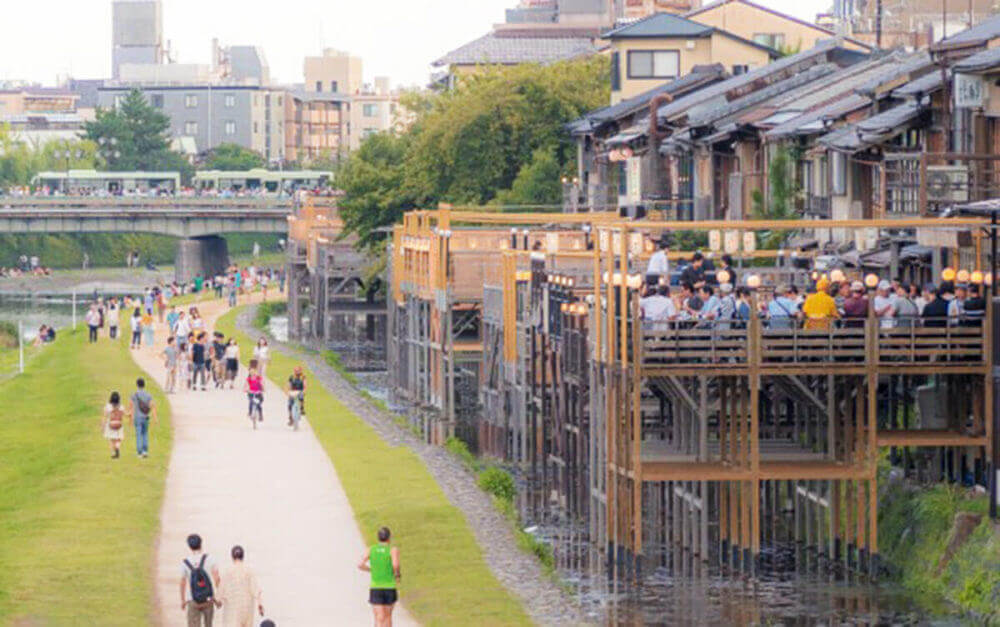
[[296, 387], [254, 388]]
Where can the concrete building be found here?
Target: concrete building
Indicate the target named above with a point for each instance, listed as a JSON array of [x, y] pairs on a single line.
[[37, 115], [316, 125], [137, 33], [663, 47], [335, 71], [210, 114]]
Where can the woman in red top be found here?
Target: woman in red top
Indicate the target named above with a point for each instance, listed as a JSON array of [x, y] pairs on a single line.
[[254, 388]]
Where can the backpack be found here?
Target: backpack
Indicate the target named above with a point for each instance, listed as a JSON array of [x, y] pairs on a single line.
[[143, 406], [116, 419], [200, 582]]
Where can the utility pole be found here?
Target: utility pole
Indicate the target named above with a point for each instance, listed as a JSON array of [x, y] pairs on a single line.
[[878, 24]]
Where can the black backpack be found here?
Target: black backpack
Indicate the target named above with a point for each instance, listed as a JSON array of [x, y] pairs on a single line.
[[201, 583]]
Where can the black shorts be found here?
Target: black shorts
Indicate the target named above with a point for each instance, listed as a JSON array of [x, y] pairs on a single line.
[[382, 596]]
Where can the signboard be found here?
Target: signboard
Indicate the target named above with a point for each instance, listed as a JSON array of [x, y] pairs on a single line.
[[715, 240], [969, 91], [633, 174]]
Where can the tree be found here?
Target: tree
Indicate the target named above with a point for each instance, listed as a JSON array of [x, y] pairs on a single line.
[[782, 190], [132, 136], [20, 162], [497, 137], [233, 157]]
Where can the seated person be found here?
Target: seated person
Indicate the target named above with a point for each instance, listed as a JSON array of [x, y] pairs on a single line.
[[658, 306]]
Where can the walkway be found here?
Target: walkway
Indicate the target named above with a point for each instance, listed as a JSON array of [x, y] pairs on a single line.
[[272, 491]]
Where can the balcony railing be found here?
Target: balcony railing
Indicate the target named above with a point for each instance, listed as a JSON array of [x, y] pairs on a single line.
[[816, 206]]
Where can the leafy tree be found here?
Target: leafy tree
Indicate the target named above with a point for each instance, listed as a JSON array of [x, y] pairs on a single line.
[[233, 157], [20, 162], [539, 182], [133, 136], [782, 190]]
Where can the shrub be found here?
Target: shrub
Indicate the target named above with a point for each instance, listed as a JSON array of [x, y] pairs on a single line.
[[461, 450], [499, 483], [8, 334]]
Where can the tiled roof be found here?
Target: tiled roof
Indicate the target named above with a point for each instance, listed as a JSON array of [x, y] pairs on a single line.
[[660, 25], [983, 31], [493, 49], [980, 62]]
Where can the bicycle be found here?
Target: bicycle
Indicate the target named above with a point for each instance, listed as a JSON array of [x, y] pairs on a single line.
[[296, 409], [256, 408]]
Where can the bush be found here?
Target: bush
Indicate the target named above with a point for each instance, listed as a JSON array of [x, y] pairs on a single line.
[[8, 334], [461, 450], [497, 482], [265, 311]]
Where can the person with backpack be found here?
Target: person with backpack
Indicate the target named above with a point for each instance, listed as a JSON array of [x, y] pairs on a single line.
[[199, 581], [143, 410], [382, 561], [114, 424]]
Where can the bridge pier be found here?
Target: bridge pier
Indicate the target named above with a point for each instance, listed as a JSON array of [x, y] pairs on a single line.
[[205, 256]]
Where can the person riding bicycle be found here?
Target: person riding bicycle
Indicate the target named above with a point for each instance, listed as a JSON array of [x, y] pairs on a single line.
[[254, 388], [296, 388]]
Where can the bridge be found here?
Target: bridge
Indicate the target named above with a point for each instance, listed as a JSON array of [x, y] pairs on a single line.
[[197, 221]]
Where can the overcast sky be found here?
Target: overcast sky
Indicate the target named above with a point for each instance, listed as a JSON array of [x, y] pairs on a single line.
[[45, 39]]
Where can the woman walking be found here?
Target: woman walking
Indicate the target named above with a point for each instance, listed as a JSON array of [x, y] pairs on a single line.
[[262, 353], [147, 328], [114, 424], [241, 594], [382, 561], [136, 324], [232, 362]]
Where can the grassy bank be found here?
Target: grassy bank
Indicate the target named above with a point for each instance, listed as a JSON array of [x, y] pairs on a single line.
[[915, 528], [77, 529], [445, 579]]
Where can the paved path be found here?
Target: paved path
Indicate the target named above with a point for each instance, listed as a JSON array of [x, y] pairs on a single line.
[[273, 491]]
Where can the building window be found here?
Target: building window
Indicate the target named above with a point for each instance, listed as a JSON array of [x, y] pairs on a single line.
[[771, 40], [742, 68], [333, 86], [279, 101], [255, 128], [616, 80], [653, 63], [319, 85], [156, 100], [230, 127], [190, 101], [190, 128], [369, 110], [230, 101]]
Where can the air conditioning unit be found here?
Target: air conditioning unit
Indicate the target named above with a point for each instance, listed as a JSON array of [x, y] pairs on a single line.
[[947, 183]]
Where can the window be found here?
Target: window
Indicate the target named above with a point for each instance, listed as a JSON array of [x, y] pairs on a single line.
[[230, 127], [191, 101], [255, 128], [333, 86], [370, 110], [190, 128], [772, 40], [838, 173], [319, 85], [653, 63], [279, 101], [230, 101], [156, 100], [742, 68], [616, 73]]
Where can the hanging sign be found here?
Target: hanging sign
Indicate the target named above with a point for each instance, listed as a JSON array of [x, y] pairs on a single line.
[[969, 92]]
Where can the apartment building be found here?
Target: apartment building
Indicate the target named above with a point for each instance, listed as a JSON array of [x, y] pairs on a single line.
[[316, 125]]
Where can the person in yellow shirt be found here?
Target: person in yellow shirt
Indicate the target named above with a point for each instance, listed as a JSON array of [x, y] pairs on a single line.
[[820, 308]]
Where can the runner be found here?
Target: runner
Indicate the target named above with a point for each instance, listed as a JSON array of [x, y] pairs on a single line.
[[382, 561], [170, 363], [296, 385]]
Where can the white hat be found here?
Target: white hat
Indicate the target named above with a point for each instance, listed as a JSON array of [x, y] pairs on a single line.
[[883, 285], [857, 286], [726, 287]]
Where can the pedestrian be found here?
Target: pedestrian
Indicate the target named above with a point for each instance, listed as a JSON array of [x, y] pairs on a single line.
[[181, 331], [170, 363], [143, 411], [93, 320], [262, 353], [197, 322], [114, 424], [114, 318], [296, 388], [232, 362], [136, 324], [172, 320], [147, 328], [382, 561], [199, 581], [241, 597], [263, 288], [199, 355]]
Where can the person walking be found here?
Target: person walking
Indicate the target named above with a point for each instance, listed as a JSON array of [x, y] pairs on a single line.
[[136, 324], [232, 362], [114, 424], [262, 353], [241, 597], [218, 359], [170, 363], [143, 411], [93, 320], [382, 561], [199, 358], [114, 318], [200, 580], [147, 328]]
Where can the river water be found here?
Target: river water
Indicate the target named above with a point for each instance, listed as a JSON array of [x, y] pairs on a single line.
[[32, 311], [700, 595]]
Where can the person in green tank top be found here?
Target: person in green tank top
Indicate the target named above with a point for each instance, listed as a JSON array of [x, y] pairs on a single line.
[[382, 561]]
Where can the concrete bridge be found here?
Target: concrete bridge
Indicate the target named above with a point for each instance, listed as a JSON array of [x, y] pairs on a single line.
[[197, 222]]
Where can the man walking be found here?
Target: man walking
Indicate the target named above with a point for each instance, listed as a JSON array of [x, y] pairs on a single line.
[[93, 319], [170, 362], [143, 410], [200, 581]]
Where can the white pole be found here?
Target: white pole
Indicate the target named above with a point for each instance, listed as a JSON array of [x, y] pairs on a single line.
[[74, 310], [20, 346]]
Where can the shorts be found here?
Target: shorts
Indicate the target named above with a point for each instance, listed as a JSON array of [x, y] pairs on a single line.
[[382, 596]]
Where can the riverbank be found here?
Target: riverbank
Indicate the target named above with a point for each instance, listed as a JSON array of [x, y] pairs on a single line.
[[76, 527], [520, 572]]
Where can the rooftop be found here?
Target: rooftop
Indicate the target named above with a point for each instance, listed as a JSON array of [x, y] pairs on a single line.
[[502, 50], [660, 25]]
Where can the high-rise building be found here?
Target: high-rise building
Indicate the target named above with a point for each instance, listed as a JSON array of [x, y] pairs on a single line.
[[137, 33]]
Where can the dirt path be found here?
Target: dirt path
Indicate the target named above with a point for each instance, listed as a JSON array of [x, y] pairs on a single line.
[[273, 491]]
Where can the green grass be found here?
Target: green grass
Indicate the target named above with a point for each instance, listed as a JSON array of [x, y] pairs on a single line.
[[445, 578], [77, 529]]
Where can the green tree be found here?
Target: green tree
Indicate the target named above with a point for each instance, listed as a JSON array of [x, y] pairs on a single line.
[[539, 182], [20, 162], [780, 202], [132, 136], [233, 157]]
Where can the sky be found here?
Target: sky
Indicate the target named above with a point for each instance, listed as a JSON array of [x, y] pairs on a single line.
[[44, 40]]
